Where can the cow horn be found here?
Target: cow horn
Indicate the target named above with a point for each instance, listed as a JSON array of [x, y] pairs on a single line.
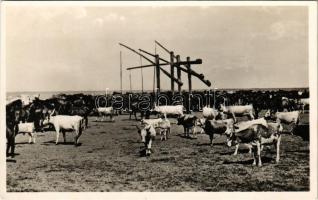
[[52, 112]]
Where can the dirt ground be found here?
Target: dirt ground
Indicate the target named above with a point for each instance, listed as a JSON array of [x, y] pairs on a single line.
[[109, 160]]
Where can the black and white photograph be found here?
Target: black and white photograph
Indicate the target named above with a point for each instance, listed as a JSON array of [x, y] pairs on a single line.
[[159, 97]]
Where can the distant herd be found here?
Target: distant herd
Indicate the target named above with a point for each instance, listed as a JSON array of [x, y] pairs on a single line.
[[70, 113]]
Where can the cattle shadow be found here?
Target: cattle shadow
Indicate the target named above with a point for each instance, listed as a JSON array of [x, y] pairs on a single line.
[[209, 144], [52, 143], [248, 162], [298, 151], [104, 121], [23, 143], [10, 154], [136, 120], [11, 161], [186, 137], [240, 151]]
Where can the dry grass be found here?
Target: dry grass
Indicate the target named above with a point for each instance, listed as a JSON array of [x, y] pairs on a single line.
[[109, 160]]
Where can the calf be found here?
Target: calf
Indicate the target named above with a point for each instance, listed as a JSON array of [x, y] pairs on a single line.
[[162, 124], [29, 129], [153, 122], [147, 134], [303, 103], [241, 110], [212, 127], [209, 113], [65, 123], [285, 117], [105, 111], [188, 122], [170, 110]]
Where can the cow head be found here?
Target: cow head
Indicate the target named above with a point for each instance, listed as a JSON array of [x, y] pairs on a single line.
[[270, 114], [223, 108], [200, 122], [48, 118]]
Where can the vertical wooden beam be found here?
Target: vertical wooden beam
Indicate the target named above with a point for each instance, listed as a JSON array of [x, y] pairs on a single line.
[[178, 73], [121, 73], [157, 72], [189, 75], [172, 70]]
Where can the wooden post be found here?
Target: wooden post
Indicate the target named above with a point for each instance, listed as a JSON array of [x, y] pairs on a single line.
[[189, 74], [157, 72], [172, 70], [178, 73], [121, 73]]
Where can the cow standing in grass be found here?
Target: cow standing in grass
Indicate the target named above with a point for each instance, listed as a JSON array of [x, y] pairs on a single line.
[[188, 122], [66, 123], [238, 110], [257, 134], [147, 134]]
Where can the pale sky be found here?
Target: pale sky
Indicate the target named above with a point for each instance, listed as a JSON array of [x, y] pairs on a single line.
[[76, 48]]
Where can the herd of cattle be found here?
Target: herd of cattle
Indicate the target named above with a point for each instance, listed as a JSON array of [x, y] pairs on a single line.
[[70, 113]]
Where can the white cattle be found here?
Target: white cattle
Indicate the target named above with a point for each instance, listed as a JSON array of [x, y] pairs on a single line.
[[105, 111], [147, 134], [246, 124], [242, 110], [29, 129], [287, 117], [169, 110], [212, 127], [303, 102], [209, 113], [256, 135], [153, 122], [65, 123], [163, 125]]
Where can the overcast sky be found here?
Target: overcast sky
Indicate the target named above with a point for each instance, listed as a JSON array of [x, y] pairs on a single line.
[[76, 48]]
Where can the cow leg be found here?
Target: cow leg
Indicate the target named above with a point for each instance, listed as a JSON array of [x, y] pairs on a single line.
[[64, 138], [86, 122], [251, 115], [165, 134], [278, 149], [161, 134], [168, 132], [254, 149], [193, 133], [258, 146], [57, 136], [233, 115], [33, 136], [211, 139], [148, 151], [12, 146], [30, 138], [236, 149]]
